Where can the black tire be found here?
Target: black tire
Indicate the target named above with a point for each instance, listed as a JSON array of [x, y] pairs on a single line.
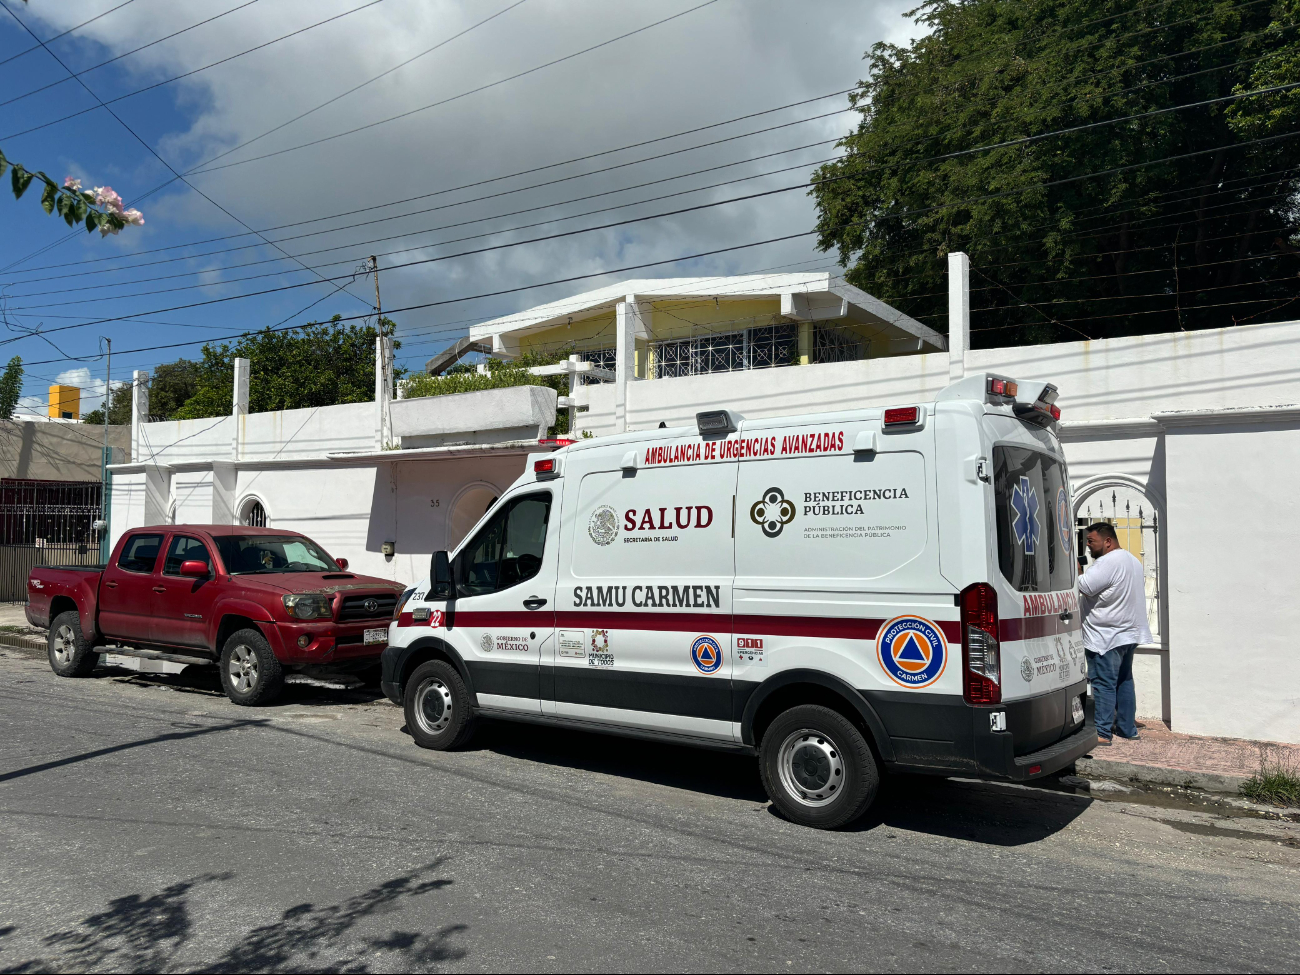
[[439, 714], [817, 767], [71, 654], [250, 674]]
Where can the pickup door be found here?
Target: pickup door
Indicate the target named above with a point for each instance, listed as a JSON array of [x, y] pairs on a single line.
[[182, 604], [126, 596]]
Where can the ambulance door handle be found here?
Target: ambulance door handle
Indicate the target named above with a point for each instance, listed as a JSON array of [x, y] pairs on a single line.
[[1067, 616], [534, 602]]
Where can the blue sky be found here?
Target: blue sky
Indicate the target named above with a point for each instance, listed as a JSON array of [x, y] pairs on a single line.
[[726, 59]]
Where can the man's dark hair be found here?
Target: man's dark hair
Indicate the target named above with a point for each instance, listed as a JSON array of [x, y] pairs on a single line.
[[1105, 530]]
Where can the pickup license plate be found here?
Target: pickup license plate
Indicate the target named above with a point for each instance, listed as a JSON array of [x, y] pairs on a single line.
[[1076, 710], [380, 636]]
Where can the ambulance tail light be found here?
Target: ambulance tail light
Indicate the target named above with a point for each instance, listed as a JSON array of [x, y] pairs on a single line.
[[981, 654], [900, 415], [546, 468]]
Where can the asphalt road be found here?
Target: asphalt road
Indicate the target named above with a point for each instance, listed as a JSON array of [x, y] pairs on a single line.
[[150, 825]]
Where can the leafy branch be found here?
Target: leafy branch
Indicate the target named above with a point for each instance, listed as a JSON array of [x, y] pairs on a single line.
[[99, 210]]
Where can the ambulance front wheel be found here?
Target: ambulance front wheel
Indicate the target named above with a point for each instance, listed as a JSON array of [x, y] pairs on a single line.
[[817, 767], [438, 710]]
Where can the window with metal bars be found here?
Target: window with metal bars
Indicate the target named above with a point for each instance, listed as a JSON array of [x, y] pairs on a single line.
[[832, 343], [761, 347]]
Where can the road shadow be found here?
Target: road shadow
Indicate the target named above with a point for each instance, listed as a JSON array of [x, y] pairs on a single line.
[[204, 681], [716, 773], [152, 933], [978, 812]]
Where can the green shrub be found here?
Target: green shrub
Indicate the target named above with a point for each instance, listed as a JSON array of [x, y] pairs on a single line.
[[1275, 782]]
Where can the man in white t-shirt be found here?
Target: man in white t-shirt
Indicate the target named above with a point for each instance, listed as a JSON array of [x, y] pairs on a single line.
[[1114, 623]]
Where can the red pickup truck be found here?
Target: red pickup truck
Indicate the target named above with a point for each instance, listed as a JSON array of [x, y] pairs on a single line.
[[256, 601]]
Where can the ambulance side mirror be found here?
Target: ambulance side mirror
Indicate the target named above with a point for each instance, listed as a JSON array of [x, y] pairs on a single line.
[[439, 576]]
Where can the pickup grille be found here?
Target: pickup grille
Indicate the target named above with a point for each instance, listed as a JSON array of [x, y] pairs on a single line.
[[354, 607]]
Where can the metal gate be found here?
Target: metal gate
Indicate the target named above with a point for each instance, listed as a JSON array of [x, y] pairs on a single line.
[[1137, 527], [45, 523]]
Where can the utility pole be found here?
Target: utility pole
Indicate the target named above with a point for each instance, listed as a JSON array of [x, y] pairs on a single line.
[[385, 391], [103, 474]]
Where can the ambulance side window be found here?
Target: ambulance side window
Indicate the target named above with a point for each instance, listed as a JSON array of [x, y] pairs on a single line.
[[507, 550]]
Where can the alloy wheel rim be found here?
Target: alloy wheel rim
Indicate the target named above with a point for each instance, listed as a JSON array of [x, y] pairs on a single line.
[[434, 708], [65, 644], [811, 767], [243, 668]]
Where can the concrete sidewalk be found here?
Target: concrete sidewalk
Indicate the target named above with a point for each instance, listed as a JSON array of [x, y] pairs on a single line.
[[1164, 757]]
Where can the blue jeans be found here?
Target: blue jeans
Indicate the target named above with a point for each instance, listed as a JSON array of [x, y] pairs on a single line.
[[1114, 698]]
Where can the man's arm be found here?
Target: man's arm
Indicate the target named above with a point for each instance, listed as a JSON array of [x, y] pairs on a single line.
[[1094, 580]]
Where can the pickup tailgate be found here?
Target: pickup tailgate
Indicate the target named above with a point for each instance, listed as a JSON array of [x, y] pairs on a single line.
[[53, 589]]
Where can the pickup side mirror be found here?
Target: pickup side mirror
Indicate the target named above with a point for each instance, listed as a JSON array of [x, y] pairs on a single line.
[[342, 564], [440, 576], [194, 569]]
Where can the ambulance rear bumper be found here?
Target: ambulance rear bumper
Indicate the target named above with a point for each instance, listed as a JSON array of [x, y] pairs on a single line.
[[946, 736]]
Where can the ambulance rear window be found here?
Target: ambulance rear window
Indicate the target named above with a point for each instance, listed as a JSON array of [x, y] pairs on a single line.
[[1033, 518]]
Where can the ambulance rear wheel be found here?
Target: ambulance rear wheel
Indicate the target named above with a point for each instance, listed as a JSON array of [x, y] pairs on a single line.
[[817, 767], [438, 710]]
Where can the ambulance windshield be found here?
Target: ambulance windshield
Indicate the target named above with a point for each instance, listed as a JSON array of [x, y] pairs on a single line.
[[1033, 514]]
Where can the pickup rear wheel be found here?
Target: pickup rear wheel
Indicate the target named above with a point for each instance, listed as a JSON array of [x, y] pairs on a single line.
[[817, 767], [438, 710], [250, 674], [71, 654]]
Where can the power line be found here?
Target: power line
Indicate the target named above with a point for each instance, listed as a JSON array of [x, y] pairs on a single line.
[[415, 232], [370, 125], [443, 192], [137, 50], [70, 30]]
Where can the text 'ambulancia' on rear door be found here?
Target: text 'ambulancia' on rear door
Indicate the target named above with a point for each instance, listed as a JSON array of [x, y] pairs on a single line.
[[644, 600]]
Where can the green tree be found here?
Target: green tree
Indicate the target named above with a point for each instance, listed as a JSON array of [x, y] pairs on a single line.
[[317, 365], [500, 375], [1162, 222], [119, 407], [171, 386], [11, 387]]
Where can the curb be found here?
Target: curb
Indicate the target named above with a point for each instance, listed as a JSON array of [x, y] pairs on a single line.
[[22, 641], [1159, 775]]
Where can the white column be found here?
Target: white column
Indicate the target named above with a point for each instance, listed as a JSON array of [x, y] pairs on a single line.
[[139, 411], [239, 406], [958, 314], [624, 358]]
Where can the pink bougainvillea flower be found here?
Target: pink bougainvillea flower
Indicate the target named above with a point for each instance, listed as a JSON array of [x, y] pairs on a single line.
[[69, 183], [134, 217]]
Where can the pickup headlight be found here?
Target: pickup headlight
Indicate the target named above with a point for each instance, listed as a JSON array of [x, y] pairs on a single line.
[[308, 606]]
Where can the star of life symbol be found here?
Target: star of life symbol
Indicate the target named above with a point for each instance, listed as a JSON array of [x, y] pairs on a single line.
[[774, 512], [1025, 521]]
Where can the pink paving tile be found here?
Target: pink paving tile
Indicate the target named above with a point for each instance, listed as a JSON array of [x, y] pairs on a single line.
[[1163, 748]]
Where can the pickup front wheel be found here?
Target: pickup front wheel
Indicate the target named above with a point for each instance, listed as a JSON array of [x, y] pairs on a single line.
[[71, 654], [250, 674]]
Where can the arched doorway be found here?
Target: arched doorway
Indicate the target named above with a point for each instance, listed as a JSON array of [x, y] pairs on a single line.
[[467, 508], [1138, 515]]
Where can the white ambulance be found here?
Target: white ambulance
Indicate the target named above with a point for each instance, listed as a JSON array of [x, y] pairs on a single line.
[[839, 594]]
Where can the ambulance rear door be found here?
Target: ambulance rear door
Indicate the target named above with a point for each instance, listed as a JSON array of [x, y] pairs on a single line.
[[1033, 565]]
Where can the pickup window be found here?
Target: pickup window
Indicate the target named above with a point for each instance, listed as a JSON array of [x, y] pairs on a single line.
[[140, 553], [185, 549]]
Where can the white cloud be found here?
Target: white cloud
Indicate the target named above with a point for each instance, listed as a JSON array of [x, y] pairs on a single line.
[[730, 58]]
